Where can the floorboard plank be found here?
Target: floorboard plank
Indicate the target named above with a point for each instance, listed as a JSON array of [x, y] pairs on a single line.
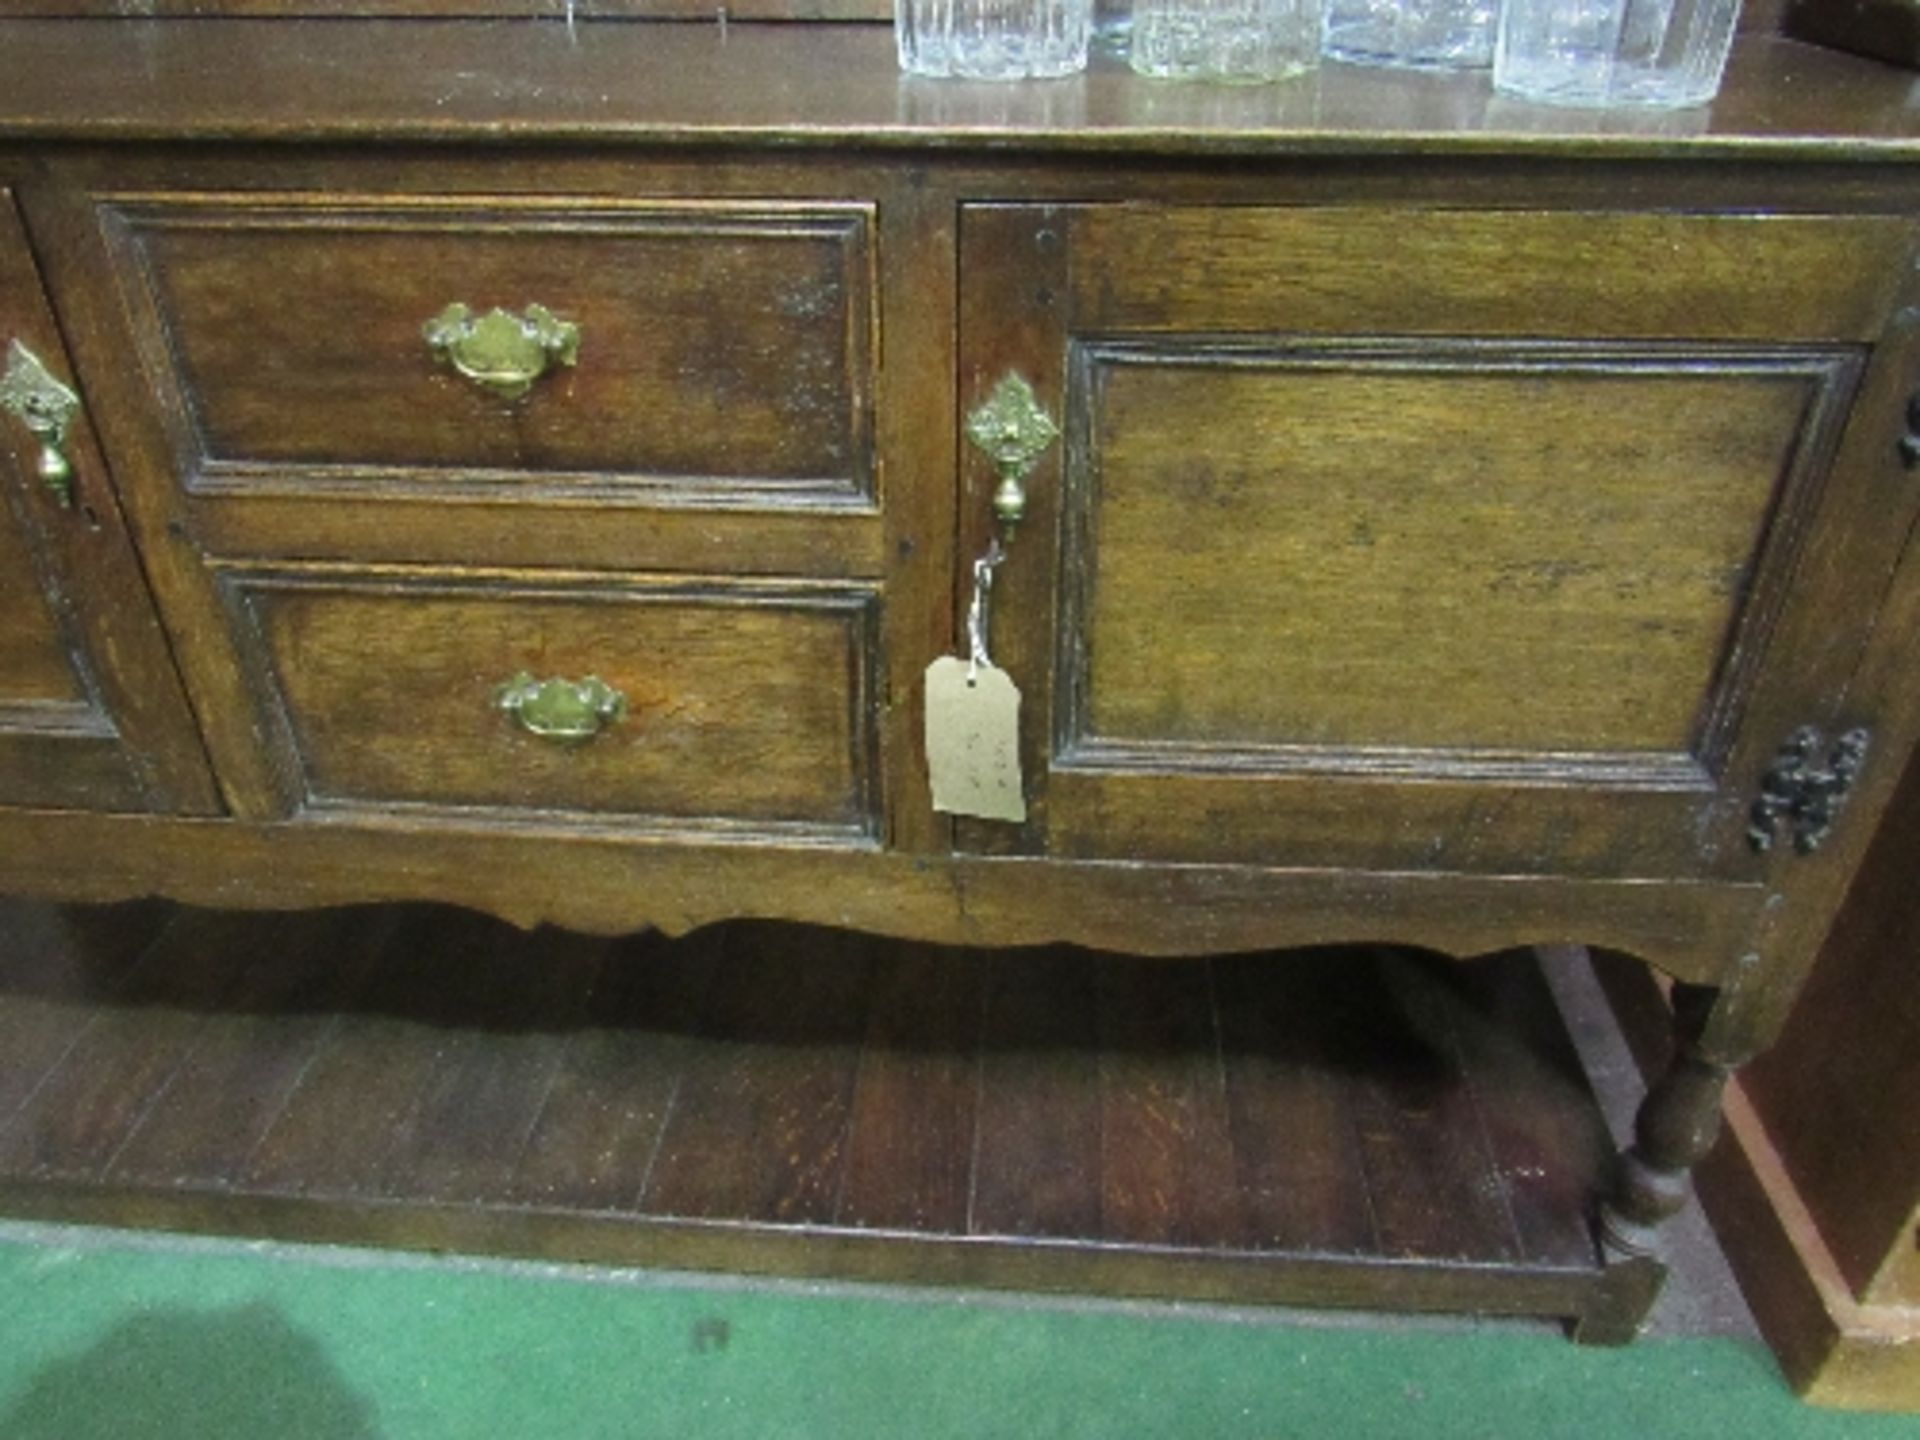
[[758, 1131], [1435, 1189], [1352, 1126], [593, 1143], [57, 965], [1550, 1149], [119, 1063], [370, 1075], [910, 1146], [233, 1086], [1037, 1147], [1291, 1034], [1166, 1160], [484, 1099]]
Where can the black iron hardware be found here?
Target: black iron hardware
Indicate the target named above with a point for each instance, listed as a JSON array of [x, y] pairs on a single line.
[[1910, 442], [1803, 791]]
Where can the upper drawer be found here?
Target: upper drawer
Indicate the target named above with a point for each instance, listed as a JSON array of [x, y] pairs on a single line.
[[724, 350]]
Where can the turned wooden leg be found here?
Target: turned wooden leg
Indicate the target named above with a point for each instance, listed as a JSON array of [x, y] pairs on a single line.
[[1677, 1125]]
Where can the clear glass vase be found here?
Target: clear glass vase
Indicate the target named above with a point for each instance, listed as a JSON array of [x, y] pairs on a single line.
[[1225, 40], [992, 39], [1614, 52], [1424, 34]]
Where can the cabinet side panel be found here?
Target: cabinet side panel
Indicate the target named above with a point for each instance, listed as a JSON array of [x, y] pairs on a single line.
[[1835, 1091]]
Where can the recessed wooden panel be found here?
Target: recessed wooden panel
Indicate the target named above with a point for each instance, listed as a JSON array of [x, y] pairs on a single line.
[[750, 705], [35, 667], [725, 349], [1295, 553]]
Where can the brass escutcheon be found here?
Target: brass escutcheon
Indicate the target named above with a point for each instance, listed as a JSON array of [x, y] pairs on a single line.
[[30, 393], [1013, 431], [500, 351]]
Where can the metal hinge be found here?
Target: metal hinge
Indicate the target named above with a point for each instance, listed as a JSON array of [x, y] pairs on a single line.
[[1803, 792]]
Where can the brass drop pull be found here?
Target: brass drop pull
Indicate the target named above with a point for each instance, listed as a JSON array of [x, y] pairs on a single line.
[[30, 393], [1014, 432], [567, 712], [500, 351]]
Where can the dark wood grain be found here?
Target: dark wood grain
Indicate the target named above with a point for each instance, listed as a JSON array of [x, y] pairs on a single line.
[[1286, 620], [725, 351], [1166, 1139], [700, 84], [759, 1125], [749, 704], [481, 1106], [1423, 1145], [56, 965], [98, 1091], [595, 881], [1289, 1047], [253, 1049], [1550, 1159], [91, 710], [768, 1097], [593, 1144], [1824, 1092], [909, 1161], [360, 1091], [1459, 503], [1037, 1148]]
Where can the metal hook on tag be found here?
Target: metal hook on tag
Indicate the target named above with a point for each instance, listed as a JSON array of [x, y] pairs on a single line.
[[977, 612]]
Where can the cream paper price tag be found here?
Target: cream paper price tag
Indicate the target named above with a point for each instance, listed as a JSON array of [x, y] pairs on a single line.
[[973, 740]]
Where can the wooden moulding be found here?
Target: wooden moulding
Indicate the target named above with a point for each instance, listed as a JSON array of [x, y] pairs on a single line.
[[562, 10], [610, 884]]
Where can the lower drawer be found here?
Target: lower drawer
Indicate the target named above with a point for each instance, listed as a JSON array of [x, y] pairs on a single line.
[[721, 703]]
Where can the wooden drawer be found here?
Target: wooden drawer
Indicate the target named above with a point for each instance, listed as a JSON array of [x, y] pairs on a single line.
[[725, 351], [749, 706]]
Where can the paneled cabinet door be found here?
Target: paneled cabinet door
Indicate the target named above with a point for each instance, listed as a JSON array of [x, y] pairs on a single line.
[[91, 712], [1511, 541]]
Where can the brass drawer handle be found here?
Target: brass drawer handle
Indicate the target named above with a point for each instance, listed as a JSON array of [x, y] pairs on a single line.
[[568, 712], [1013, 431], [501, 351], [30, 393]]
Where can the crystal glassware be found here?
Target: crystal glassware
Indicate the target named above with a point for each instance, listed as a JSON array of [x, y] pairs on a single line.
[[1424, 34], [1231, 40], [992, 39], [1613, 52]]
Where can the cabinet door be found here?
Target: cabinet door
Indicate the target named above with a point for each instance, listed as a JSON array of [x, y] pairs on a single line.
[[1430, 540], [91, 711]]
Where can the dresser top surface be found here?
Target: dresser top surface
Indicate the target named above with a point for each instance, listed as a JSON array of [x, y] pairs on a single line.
[[830, 86]]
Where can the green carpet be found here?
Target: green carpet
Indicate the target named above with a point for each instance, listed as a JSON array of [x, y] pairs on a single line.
[[210, 1342]]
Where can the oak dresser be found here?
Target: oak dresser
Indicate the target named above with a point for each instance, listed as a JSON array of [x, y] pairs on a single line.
[[533, 467]]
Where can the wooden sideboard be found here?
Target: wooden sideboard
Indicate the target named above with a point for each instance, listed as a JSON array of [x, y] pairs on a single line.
[[1456, 524]]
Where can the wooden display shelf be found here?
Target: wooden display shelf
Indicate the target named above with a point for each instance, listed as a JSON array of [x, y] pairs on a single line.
[[1360, 1126]]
